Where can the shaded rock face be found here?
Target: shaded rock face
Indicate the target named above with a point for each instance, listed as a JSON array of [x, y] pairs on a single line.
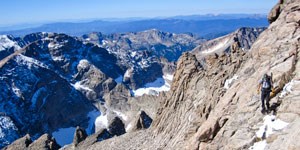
[[79, 135], [276, 10], [116, 127], [144, 121], [200, 113]]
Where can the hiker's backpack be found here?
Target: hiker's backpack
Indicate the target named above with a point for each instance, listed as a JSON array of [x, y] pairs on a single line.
[[267, 83]]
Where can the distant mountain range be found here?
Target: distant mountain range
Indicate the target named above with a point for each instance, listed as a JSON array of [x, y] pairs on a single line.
[[207, 26]]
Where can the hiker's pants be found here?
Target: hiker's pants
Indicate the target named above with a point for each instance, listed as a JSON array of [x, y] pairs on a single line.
[[265, 97]]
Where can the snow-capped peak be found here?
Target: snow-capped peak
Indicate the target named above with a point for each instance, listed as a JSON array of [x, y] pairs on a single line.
[[6, 42]]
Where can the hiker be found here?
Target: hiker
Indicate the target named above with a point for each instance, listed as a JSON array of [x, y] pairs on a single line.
[[265, 86]]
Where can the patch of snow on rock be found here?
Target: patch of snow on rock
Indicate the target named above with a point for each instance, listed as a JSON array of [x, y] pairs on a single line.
[[229, 82], [270, 126], [168, 77], [53, 45], [83, 63], [30, 62], [217, 47], [101, 122], [128, 127], [288, 88], [159, 85], [64, 136], [259, 145], [5, 43], [16, 90], [78, 86]]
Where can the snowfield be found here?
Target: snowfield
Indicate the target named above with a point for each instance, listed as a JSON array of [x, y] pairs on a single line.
[[159, 85]]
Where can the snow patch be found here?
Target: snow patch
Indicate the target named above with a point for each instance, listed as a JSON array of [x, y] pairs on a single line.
[[259, 145], [230, 81], [83, 63], [288, 88], [159, 85], [133, 54], [30, 62], [168, 77], [64, 136], [57, 58], [101, 122], [127, 73], [128, 127], [53, 45], [104, 42], [5, 43], [270, 126], [217, 47], [16, 90], [78, 86]]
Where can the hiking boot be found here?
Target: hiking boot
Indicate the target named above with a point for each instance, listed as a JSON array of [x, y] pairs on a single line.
[[263, 111]]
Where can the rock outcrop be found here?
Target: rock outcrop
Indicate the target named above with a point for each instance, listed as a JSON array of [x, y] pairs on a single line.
[[45, 142], [79, 135]]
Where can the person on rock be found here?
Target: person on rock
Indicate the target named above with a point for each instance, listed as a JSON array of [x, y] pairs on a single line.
[[265, 86]]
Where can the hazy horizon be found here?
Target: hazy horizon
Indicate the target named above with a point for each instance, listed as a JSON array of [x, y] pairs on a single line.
[[39, 12]]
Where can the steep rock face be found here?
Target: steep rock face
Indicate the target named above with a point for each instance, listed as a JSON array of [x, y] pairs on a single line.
[[79, 135], [32, 99], [213, 103]]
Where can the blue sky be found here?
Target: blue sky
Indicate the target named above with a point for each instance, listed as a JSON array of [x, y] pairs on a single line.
[[35, 11]]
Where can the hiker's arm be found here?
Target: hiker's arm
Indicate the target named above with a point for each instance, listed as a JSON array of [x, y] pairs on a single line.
[[259, 86]]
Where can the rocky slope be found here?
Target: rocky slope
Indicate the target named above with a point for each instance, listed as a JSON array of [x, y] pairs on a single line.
[[213, 104]]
